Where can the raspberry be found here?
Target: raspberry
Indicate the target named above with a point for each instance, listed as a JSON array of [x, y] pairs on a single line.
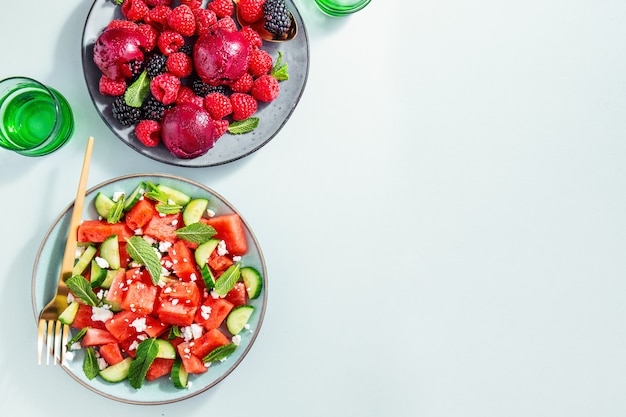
[[243, 84], [252, 35], [122, 23], [204, 19], [186, 95], [182, 20], [265, 88], [193, 4], [134, 10], [222, 8], [260, 63], [109, 87], [155, 3], [227, 23], [148, 132], [251, 10], [169, 42], [244, 105], [157, 17], [165, 87], [218, 105], [150, 36], [179, 64], [221, 126]]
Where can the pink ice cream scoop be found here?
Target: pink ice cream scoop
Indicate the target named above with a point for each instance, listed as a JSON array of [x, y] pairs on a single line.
[[116, 52], [187, 131], [221, 56]]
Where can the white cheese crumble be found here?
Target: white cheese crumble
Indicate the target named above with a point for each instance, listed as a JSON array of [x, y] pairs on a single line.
[[236, 259], [221, 248], [117, 195], [210, 212], [149, 240], [205, 311], [102, 263], [139, 324], [164, 246], [101, 313], [236, 339], [215, 295]]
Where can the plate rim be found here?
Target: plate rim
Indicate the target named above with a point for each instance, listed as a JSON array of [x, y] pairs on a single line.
[[227, 203], [181, 162]]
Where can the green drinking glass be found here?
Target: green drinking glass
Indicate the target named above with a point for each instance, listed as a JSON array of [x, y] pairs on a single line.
[[341, 7], [35, 120]]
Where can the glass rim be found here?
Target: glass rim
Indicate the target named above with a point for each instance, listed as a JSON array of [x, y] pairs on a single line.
[[341, 10], [54, 130]]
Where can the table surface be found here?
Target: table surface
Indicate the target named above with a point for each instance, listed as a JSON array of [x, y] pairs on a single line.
[[443, 216]]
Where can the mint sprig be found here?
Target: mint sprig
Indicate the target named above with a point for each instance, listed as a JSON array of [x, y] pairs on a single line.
[[280, 70], [138, 90], [196, 232], [143, 253], [145, 354], [90, 364], [115, 214], [78, 336], [228, 279], [81, 288], [243, 126], [220, 352], [168, 208]]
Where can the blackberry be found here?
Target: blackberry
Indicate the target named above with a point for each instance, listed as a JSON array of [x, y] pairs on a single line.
[[156, 65], [277, 17], [153, 109], [202, 89], [186, 49], [125, 114]]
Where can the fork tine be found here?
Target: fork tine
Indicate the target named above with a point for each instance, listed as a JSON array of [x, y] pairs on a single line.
[[66, 332], [57, 342], [40, 335], [49, 341]]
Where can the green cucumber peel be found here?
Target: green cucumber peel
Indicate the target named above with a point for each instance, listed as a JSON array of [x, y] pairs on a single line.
[[143, 253]]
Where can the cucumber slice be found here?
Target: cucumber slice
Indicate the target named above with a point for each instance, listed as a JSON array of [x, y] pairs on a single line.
[[194, 211], [204, 250], [166, 349], [135, 196], [110, 251], [97, 274], [108, 279], [179, 375], [207, 277], [176, 196], [103, 205], [253, 280], [117, 372], [69, 314], [83, 261], [238, 317]]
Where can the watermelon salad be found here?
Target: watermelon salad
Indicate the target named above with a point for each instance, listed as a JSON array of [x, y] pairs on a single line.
[[158, 289]]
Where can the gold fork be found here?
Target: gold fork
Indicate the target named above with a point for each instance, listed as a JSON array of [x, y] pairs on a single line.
[[50, 328]]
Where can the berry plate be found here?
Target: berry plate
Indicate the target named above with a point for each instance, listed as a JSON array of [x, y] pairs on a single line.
[[160, 391], [229, 147]]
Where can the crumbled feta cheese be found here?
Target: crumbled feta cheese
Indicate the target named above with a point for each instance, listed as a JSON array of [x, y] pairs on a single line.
[[193, 331], [205, 311], [210, 212], [215, 295], [102, 263], [103, 313], [221, 248], [164, 246], [149, 240], [117, 195], [70, 297], [139, 324], [102, 363], [138, 231], [79, 251], [174, 222], [167, 290], [193, 277], [236, 259], [236, 339], [133, 346], [175, 301]]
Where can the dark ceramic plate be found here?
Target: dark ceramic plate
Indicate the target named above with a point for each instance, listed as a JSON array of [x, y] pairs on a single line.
[[228, 148]]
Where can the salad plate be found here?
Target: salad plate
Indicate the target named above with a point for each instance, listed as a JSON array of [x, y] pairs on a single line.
[[160, 391], [229, 147]]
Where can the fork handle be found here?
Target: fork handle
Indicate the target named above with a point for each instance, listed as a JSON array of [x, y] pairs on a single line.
[[70, 247]]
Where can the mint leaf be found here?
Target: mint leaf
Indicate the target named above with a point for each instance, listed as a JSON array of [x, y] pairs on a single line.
[[280, 70], [145, 355], [168, 208], [90, 364], [220, 352], [153, 193], [142, 252], [76, 337], [174, 332], [115, 214], [228, 279], [243, 126], [119, 2], [196, 232], [137, 91], [81, 288]]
